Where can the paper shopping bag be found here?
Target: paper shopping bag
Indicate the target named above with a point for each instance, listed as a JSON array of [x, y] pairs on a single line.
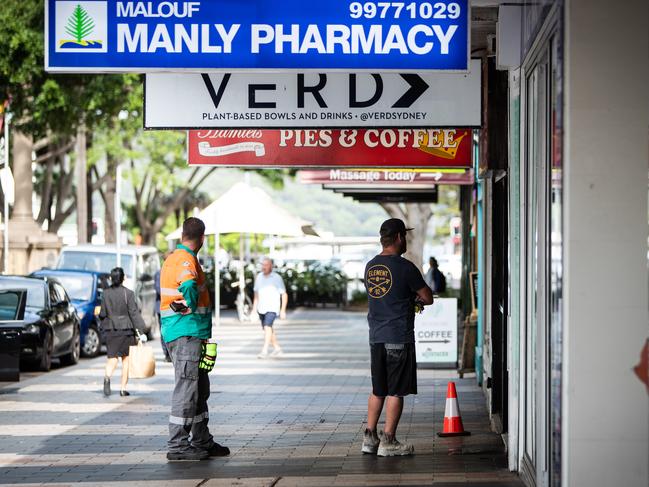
[[141, 362]]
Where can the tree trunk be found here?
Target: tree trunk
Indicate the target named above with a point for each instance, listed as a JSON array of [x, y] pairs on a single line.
[[22, 169], [46, 192], [414, 215], [418, 216], [66, 200], [109, 204], [82, 187]]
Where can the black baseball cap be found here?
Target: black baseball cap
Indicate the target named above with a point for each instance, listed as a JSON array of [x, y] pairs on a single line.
[[392, 227]]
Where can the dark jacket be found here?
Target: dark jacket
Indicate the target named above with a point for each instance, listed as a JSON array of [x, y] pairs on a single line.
[[119, 311]]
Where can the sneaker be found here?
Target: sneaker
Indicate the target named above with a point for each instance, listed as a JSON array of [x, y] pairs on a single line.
[[263, 354], [124, 393], [217, 450], [370, 442], [190, 455], [391, 447], [277, 353], [106, 386]]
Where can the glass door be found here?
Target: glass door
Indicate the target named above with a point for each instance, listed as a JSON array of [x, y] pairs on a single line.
[[537, 169]]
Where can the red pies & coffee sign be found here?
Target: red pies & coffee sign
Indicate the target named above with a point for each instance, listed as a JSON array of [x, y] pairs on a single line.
[[406, 148]]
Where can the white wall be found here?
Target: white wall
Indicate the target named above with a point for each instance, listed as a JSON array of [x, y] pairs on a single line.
[[605, 419]]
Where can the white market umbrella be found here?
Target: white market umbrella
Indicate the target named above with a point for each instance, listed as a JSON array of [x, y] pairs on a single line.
[[245, 209]]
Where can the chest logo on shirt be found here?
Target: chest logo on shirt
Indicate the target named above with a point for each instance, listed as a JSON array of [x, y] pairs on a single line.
[[379, 281]]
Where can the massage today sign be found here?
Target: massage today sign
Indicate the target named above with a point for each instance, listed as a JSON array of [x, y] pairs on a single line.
[[200, 35]]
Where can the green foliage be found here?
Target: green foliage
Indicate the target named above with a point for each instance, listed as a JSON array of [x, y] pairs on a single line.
[[46, 103], [80, 24], [358, 298], [230, 242], [446, 208], [307, 283], [311, 283], [275, 177]]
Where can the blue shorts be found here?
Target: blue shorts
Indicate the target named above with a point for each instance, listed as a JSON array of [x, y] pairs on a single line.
[[267, 319]]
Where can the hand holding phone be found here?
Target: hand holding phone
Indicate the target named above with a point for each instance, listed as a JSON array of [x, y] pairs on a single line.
[[179, 307]]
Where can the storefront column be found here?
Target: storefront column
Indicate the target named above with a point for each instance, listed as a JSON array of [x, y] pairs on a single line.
[[605, 428]]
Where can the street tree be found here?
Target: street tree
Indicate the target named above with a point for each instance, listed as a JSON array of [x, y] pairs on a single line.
[[48, 108], [414, 215], [155, 168], [418, 216]]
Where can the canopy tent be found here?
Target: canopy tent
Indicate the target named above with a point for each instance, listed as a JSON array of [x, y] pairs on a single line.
[[245, 209]]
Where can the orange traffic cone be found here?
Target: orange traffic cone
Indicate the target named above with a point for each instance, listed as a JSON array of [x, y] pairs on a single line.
[[452, 419]]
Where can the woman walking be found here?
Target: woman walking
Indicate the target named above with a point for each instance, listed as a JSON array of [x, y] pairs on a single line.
[[120, 318]]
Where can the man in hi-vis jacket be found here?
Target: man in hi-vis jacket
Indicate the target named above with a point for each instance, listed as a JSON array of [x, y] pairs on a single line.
[[186, 323]]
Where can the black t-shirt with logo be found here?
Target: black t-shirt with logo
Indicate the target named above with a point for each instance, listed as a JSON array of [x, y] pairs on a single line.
[[392, 283]]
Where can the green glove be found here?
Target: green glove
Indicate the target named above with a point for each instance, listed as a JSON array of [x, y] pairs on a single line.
[[208, 356]]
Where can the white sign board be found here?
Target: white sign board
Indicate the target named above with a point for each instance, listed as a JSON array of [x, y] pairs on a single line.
[[312, 100], [436, 333]]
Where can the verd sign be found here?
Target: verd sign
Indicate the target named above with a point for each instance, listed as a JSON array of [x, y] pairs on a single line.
[[116, 35], [331, 148], [328, 100]]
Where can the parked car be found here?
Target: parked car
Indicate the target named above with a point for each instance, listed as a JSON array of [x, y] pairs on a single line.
[[85, 289], [140, 264], [51, 325], [12, 312]]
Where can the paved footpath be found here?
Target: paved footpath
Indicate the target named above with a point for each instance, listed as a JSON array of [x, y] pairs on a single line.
[[292, 421]]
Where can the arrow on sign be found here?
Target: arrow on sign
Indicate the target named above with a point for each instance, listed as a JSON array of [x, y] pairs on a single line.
[[434, 341], [417, 88], [433, 175]]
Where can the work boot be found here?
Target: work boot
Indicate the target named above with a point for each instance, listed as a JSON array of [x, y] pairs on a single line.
[[370, 442], [217, 450], [106, 386], [192, 454], [391, 447]]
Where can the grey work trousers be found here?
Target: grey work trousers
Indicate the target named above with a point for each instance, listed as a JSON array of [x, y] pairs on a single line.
[[189, 414]]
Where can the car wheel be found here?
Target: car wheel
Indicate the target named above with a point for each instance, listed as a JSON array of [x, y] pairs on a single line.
[[92, 343], [72, 358], [45, 361]]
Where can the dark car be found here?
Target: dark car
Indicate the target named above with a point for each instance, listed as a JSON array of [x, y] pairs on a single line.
[[85, 289], [12, 312], [51, 325]]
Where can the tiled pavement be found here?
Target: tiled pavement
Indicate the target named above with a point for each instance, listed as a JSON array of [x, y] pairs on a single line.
[[293, 421]]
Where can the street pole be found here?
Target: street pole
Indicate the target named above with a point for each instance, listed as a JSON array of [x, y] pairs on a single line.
[[217, 275], [118, 214], [5, 265]]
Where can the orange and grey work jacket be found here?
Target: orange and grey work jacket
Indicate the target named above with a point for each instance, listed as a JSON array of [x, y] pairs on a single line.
[[181, 277]]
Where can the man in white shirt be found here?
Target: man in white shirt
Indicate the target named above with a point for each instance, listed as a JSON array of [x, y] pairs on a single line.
[[270, 301]]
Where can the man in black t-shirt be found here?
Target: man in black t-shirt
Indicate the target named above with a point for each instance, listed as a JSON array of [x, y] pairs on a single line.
[[394, 286]]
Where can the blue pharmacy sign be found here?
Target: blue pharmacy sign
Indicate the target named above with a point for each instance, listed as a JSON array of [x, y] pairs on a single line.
[[271, 35]]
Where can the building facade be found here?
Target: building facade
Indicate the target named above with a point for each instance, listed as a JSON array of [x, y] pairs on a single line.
[[562, 241]]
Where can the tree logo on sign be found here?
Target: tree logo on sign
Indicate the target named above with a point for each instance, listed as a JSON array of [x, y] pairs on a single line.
[[81, 26]]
